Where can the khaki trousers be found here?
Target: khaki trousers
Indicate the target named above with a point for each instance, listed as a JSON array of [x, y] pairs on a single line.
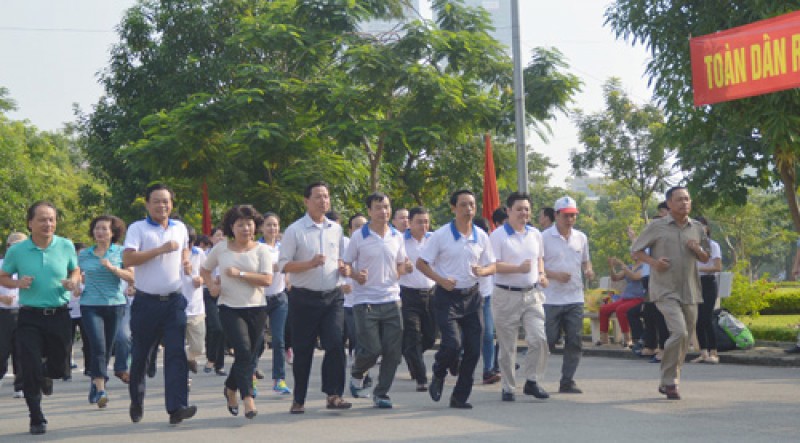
[[681, 320], [195, 335], [512, 310]]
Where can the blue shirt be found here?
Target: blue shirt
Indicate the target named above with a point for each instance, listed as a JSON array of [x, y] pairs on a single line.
[[101, 286], [47, 267]]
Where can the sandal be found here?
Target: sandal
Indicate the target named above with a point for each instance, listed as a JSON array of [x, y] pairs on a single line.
[[336, 402]]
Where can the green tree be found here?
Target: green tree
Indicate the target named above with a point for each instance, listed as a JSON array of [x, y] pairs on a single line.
[[727, 147], [626, 142]]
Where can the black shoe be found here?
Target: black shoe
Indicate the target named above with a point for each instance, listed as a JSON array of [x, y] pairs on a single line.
[[220, 371], [38, 428], [183, 413], [47, 386], [136, 412], [794, 350], [531, 388], [66, 378], [259, 374], [435, 388], [570, 388], [454, 367], [192, 365], [234, 410], [507, 396], [151, 370], [251, 414], [458, 404], [367, 381]]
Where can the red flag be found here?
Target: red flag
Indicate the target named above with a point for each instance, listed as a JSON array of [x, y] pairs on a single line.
[[491, 198], [206, 211]]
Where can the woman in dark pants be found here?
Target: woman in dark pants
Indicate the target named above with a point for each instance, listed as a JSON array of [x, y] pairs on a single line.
[[245, 268], [705, 318], [215, 339]]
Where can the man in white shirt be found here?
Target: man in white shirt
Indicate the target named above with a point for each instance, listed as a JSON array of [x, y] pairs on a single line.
[[376, 257], [566, 262], [9, 312], [195, 308], [416, 292], [517, 299], [158, 247], [310, 252], [455, 257]]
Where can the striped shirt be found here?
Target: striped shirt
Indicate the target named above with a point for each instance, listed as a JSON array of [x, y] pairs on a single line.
[[102, 287]]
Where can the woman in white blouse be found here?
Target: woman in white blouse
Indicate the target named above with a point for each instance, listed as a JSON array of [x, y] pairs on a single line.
[[245, 268]]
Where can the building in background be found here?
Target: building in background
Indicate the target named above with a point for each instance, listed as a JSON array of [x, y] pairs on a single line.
[[416, 9], [500, 10]]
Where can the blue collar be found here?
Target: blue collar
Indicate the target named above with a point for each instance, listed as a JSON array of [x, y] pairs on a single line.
[[510, 230], [365, 230], [195, 250], [407, 235], [457, 235], [170, 222]]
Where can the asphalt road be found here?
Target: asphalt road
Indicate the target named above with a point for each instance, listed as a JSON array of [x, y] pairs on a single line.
[[728, 402]]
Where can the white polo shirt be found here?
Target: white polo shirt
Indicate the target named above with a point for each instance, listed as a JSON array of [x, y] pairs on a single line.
[[380, 257], [194, 296], [303, 240], [714, 252], [13, 292], [415, 279], [513, 248], [278, 278], [565, 255], [452, 255], [161, 274]]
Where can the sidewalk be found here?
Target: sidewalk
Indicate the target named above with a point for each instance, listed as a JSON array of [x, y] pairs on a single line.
[[763, 354]]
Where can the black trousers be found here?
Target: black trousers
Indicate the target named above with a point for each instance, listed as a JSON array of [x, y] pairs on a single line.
[[655, 327], [635, 319], [77, 326], [42, 335], [706, 337], [419, 329], [244, 330], [317, 314], [8, 329], [215, 339], [459, 316]]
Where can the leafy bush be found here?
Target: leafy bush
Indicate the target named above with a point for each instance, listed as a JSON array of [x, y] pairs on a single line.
[[773, 333], [748, 298], [783, 301]]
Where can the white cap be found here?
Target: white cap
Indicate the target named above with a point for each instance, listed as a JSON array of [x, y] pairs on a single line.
[[566, 205]]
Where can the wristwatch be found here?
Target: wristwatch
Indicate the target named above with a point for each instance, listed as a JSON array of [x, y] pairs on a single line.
[[241, 274]]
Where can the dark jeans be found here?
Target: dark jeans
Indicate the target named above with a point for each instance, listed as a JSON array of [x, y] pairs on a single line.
[[568, 318], [8, 328], [122, 343], [459, 316], [152, 319], [705, 316], [277, 312], [317, 314], [419, 329], [100, 324], [635, 317], [655, 327], [350, 331], [77, 326], [215, 339], [42, 334], [244, 330]]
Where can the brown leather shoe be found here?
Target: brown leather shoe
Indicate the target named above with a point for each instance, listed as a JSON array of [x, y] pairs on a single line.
[[671, 391], [297, 408], [336, 402]]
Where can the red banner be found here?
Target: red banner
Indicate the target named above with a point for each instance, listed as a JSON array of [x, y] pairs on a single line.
[[749, 60], [491, 198]]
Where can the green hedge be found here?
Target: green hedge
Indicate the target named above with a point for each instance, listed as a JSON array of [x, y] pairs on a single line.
[[773, 333], [782, 301]]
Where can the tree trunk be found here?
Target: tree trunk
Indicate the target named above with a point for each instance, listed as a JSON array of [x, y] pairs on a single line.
[[786, 170]]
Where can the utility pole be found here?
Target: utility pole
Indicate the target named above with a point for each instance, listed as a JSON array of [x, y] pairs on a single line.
[[519, 100]]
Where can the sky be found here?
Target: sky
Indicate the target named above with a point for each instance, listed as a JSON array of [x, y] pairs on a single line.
[[52, 50]]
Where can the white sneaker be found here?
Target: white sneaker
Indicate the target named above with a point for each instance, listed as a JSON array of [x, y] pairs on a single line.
[[19, 394]]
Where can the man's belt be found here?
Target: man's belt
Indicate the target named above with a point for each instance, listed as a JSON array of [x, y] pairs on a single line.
[[45, 311], [517, 289], [160, 297]]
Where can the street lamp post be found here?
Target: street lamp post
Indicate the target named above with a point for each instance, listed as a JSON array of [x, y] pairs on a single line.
[[519, 100]]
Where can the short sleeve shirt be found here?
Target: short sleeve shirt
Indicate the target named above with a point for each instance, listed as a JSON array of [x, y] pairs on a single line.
[[101, 286], [452, 255], [666, 239], [513, 248], [48, 267], [161, 274], [565, 255], [714, 253], [303, 240], [235, 292], [278, 278], [415, 279], [380, 257], [194, 296], [13, 292]]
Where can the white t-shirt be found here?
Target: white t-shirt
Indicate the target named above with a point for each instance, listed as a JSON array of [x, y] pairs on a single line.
[[513, 248], [565, 255], [13, 292], [235, 292], [194, 296], [452, 255], [715, 252], [162, 274], [380, 257], [278, 278], [415, 279]]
